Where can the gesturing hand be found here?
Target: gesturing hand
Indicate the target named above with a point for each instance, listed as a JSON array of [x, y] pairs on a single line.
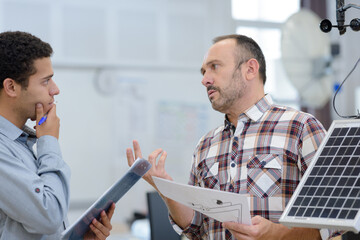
[[157, 169]]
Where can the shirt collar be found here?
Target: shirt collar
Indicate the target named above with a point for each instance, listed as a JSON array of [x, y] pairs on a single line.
[[254, 113], [13, 132], [31, 132], [228, 125]]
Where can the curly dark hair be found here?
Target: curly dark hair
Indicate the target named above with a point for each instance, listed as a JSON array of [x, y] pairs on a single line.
[[18, 51]]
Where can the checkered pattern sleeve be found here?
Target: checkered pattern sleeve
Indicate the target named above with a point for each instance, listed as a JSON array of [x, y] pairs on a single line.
[[196, 228], [311, 136]]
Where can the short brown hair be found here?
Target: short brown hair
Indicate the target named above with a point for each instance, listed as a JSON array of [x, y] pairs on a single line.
[[251, 48]]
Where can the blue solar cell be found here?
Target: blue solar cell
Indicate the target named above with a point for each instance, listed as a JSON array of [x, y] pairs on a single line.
[[357, 151], [352, 131], [334, 213], [343, 131], [352, 214], [355, 141], [335, 132], [338, 141]]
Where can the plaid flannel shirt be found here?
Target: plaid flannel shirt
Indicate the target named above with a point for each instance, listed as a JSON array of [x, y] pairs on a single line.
[[263, 157]]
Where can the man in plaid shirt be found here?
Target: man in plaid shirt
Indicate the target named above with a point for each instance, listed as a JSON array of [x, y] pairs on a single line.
[[262, 150]]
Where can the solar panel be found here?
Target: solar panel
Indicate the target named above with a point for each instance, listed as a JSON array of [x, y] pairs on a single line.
[[328, 195]]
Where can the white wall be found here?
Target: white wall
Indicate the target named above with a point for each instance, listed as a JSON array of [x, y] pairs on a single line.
[[126, 70]]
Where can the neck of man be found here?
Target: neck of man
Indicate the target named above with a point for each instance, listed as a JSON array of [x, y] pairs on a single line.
[[9, 112], [243, 104]]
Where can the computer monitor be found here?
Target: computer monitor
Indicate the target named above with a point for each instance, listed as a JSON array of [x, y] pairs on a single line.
[[160, 227]]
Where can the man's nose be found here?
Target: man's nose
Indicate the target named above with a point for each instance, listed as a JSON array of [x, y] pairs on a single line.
[[54, 90], [207, 80]]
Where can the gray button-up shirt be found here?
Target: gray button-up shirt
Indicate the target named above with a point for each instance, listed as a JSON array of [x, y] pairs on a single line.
[[34, 185]]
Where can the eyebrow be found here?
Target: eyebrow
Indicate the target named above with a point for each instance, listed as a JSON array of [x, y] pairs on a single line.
[[47, 77], [209, 63]]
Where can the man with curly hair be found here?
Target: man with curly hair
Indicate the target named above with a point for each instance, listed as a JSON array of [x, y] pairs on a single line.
[[34, 192]]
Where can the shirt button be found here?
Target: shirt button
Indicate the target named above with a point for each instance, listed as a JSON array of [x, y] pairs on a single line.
[[233, 165], [37, 190]]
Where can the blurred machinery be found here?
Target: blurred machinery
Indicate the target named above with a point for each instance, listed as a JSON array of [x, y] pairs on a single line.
[[354, 24]]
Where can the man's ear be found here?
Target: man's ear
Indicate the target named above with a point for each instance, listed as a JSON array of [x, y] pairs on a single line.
[[10, 87], [252, 69]]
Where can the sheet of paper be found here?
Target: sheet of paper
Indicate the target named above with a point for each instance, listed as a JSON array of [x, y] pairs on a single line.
[[220, 205]]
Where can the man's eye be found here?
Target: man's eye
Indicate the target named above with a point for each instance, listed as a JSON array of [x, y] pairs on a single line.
[[214, 66]]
